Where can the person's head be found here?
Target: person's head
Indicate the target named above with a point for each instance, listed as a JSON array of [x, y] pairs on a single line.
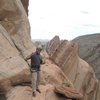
[[38, 49]]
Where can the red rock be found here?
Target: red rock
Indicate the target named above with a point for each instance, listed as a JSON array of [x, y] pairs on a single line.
[[68, 92], [53, 45]]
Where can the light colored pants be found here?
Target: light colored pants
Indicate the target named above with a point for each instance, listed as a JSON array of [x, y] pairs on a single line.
[[35, 78]]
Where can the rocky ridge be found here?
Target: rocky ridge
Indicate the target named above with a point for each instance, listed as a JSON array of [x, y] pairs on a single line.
[[16, 45], [52, 45], [77, 70], [90, 50]]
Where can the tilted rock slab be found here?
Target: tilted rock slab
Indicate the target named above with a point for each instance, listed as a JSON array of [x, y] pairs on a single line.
[[16, 45], [90, 50], [52, 45], [77, 70], [25, 93], [14, 71], [14, 19], [25, 4], [13, 68], [68, 92]]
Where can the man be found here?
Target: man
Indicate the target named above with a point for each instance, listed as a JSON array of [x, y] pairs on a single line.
[[36, 61]]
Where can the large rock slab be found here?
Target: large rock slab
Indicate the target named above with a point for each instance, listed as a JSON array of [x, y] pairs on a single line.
[[52, 74], [16, 45], [68, 92], [12, 66], [76, 69], [25, 93], [14, 19], [90, 50], [52, 45], [25, 4]]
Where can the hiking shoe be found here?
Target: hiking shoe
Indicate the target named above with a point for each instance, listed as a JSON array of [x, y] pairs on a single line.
[[38, 90], [34, 94]]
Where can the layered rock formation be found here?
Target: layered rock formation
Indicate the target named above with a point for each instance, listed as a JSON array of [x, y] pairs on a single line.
[[47, 83], [15, 43], [52, 45], [14, 19], [25, 4], [90, 50], [15, 46], [77, 70]]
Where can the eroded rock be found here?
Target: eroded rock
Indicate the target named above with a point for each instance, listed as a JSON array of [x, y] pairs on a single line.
[[90, 50], [25, 4], [52, 45], [15, 21], [77, 70], [68, 92]]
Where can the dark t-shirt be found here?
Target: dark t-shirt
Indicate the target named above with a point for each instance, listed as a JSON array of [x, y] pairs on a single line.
[[36, 60]]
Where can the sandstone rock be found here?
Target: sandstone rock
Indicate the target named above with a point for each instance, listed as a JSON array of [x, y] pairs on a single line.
[[16, 44], [19, 93], [14, 19], [98, 92], [77, 70], [11, 62], [25, 93], [14, 37], [52, 45], [52, 74], [68, 92], [25, 4], [90, 50], [47, 93], [14, 71], [48, 72]]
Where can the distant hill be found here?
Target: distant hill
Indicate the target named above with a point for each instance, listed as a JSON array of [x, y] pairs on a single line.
[[40, 41], [90, 50]]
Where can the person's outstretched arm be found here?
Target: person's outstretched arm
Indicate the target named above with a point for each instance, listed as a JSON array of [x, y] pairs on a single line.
[[28, 57]]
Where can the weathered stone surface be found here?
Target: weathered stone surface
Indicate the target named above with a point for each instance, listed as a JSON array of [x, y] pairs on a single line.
[[68, 92], [52, 74], [25, 4], [14, 19], [98, 92], [77, 70], [90, 50], [16, 44], [19, 93], [52, 45], [25, 93], [11, 62], [48, 72]]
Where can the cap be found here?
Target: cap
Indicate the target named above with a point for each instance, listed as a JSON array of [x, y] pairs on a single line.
[[39, 47]]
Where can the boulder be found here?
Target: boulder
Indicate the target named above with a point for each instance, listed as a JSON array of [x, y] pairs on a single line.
[[68, 92], [12, 65], [52, 74]]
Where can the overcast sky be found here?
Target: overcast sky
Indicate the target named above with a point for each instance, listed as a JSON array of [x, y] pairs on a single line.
[[66, 18]]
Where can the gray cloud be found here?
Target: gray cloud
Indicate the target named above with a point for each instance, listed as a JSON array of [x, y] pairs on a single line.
[[84, 12], [90, 25]]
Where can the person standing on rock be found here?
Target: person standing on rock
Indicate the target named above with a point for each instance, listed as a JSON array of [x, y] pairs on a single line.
[[36, 61]]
